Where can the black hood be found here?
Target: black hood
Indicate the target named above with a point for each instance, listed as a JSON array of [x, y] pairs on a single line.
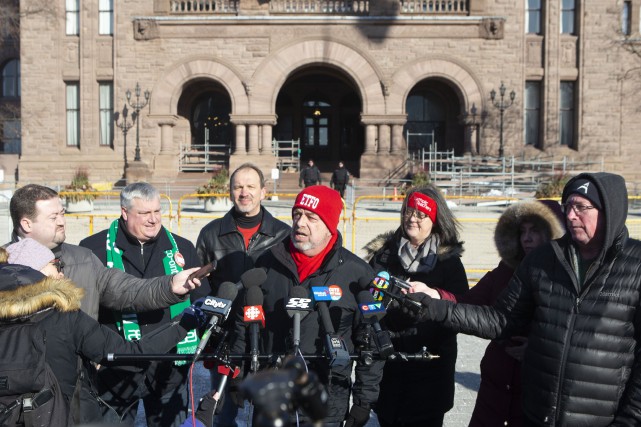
[[614, 194]]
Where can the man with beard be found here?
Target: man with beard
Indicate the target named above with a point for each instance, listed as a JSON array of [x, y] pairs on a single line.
[[314, 256]]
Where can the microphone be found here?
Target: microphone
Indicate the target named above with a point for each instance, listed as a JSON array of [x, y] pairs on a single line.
[[334, 344], [253, 277], [254, 315], [381, 283], [218, 308], [373, 312], [298, 306]]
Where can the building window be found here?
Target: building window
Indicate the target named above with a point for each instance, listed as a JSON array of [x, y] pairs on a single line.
[[72, 17], [11, 79], [106, 17], [626, 17], [567, 16], [73, 115], [567, 116], [106, 114], [10, 136], [533, 16], [533, 113]]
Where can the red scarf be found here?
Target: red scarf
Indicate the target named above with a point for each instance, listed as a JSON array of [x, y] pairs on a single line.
[[306, 265]]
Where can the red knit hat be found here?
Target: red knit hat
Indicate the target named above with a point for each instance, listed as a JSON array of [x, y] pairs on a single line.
[[324, 202]]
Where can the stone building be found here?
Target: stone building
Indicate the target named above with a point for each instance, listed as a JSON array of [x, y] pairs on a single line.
[[363, 81]]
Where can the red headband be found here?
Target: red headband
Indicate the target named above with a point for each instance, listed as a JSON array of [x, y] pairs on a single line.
[[423, 203]]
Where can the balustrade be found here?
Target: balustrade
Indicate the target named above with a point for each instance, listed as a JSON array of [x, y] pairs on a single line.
[[457, 7], [204, 6], [353, 7]]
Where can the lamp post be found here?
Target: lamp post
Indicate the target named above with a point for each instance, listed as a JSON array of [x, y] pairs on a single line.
[[124, 125], [137, 105], [502, 105]]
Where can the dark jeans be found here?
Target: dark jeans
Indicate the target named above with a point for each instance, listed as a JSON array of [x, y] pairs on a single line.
[[341, 189]]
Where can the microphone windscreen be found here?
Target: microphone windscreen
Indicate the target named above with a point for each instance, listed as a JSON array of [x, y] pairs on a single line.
[[364, 283], [253, 277], [299, 292], [228, 291], [365, 297], [254, 296]]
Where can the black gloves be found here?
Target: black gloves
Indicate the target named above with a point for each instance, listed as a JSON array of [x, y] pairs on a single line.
[[206, 406], [358, 416], [430, 309]]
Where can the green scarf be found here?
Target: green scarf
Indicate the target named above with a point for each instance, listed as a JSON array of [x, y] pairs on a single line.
[[127, 322]]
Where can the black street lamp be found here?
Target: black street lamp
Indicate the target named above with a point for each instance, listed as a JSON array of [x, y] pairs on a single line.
[[502, 105], [124, 125], [137, 106]]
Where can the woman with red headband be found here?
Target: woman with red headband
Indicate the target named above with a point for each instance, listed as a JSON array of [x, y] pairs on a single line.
[[425, 249]]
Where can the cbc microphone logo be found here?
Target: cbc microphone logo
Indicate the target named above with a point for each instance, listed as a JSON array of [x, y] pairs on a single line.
[[215, 303], [252, 313]]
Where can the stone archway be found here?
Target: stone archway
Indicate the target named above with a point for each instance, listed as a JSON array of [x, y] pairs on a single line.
[[166, 93], [272, 74]]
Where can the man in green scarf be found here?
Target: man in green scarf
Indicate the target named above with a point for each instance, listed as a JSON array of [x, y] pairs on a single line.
[[138, 244]]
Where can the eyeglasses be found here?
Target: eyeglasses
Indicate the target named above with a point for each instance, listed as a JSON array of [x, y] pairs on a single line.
[[578, 208], [59, 264], [409, 213]]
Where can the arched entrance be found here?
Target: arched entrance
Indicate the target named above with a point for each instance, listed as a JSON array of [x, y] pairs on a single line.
[[433, 109], [207, 106], [321, 108]]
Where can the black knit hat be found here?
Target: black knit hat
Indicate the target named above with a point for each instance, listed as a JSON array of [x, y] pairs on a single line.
[[585, 188]]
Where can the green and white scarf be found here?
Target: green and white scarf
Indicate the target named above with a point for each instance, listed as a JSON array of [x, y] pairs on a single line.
[[127, 322]]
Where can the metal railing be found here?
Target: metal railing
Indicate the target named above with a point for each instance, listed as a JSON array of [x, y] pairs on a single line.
[[287, 154]]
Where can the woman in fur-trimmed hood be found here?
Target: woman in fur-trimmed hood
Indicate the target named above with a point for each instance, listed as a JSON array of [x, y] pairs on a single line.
[[424, 250], [521, 228], [53, 303]]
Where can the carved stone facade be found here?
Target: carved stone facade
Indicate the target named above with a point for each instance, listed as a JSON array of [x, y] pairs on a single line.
[[252, 53]]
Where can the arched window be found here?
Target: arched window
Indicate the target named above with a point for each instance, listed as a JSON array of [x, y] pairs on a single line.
[[11, 79]]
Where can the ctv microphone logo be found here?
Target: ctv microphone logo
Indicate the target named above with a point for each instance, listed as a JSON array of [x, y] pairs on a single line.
[[302, 303], [214, 303]]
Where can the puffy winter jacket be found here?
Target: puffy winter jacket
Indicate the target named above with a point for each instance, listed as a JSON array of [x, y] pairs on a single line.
[[582, 366]]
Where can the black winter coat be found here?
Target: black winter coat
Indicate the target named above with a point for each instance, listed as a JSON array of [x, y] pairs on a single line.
[[142, 261], [342, 268], [220, 240], [416, 390], [69, 332], [582, 365]]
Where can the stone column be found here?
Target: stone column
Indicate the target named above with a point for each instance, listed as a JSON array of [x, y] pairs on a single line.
[[252, 146], [267, 140], [166, 136], [239, 146], [383, 139], [370, 139], [398, 145]]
